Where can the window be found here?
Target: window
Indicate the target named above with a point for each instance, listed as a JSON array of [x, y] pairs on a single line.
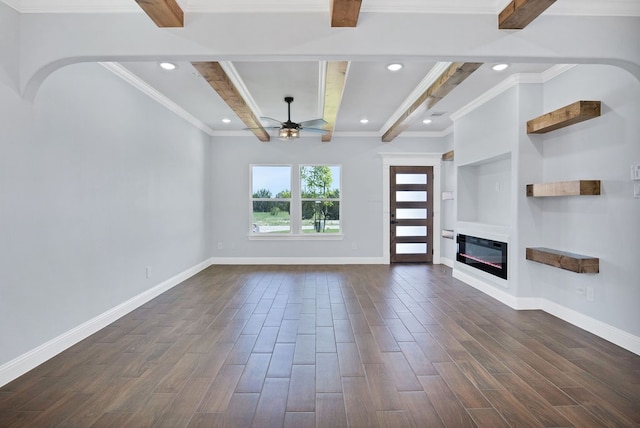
[[320, 198], [302, 205], [271, 199]]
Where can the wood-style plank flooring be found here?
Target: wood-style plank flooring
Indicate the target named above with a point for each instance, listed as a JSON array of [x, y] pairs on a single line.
[[330, 346]]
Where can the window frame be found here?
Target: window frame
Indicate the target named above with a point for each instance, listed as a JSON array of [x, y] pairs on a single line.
[[295, 206], [338, 199]]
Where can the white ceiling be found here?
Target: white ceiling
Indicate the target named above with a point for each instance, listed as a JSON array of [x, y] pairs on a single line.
[[371, 91]]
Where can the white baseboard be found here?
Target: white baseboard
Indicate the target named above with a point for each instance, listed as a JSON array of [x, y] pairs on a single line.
[[447, 262], [26, 362], [298, 260], [499, 294], [608, 332]]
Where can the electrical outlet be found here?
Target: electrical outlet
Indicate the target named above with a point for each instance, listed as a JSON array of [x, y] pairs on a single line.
[[636, 189], [591, 293], [219, 245], [635, 171], [148, 272]]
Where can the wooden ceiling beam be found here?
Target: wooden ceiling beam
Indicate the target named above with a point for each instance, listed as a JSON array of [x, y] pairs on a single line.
[[336, 77], [220, 82], [165, 13], [344, 13], [455, 74], [519, 13]]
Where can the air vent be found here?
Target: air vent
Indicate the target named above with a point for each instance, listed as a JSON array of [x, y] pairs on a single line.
[[438, 113]]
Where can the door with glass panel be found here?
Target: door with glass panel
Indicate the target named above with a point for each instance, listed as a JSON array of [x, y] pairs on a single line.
[[411, 214]]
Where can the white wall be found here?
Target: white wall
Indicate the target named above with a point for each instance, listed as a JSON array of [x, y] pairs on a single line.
[[9, 46], [362, 190], [448, 207], [606, 226], [97, 183]]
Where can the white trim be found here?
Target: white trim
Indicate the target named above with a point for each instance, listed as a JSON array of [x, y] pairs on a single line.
[[601, 329], [234, 76], [28, 361], [555, 71], [322, 86], [427, 81], [446, 261], [155, 95], [296, 237], [497, 293], [508, 83], [298, 261]]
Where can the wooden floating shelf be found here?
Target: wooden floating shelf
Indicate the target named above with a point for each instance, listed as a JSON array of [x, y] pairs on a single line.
[[563, 260], [565, 116], [447, 156], [564, 188]]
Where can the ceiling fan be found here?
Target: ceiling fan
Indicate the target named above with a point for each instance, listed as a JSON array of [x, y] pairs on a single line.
[[289, 130]]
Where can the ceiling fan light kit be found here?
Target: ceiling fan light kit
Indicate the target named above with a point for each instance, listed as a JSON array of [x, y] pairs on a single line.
[[289, 130], [286, 134]]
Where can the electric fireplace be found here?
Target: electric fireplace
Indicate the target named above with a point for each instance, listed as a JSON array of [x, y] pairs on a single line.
[[484, 254]]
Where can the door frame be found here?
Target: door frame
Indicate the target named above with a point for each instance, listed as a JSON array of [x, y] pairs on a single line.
[[410, 159]]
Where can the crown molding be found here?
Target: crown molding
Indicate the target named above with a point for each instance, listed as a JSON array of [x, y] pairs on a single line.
[[508, 83], [152, 93]]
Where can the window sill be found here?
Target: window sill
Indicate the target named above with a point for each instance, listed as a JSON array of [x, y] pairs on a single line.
[[296, 237]]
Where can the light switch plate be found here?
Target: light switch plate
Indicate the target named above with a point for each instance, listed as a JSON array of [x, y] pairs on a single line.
[[635, 171], [636, 189]]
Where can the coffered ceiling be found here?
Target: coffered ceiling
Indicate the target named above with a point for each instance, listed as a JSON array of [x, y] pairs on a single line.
[[346, 91]]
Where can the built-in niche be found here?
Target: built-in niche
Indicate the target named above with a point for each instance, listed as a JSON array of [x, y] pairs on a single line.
[[484, 191]]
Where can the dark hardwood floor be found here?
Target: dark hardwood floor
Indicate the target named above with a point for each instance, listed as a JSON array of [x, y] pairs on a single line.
[[330, 346]]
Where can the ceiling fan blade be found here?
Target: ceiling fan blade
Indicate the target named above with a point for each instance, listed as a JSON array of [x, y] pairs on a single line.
[[264, 118], [313, 123], [315, 130], [264, 127]]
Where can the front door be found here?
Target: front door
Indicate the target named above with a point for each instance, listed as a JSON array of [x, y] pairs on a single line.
[[411, 214]]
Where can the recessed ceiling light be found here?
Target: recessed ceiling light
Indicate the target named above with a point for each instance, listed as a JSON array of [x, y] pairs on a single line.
[[225, 120], [427, 121], [364, 120], [394, 67], [500, 67], [168, 65]]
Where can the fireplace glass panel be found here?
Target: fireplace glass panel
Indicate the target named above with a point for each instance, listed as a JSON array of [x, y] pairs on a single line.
[[484, 254]]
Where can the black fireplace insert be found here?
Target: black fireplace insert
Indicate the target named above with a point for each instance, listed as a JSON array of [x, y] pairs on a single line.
[[484, 254]]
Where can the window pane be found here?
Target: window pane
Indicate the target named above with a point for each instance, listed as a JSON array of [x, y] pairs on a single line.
[[411, 230], [320, 217], [271, 181], [411, 196], [320, 181], [411, 178], [411, 248], [411, 213], [271, 217]]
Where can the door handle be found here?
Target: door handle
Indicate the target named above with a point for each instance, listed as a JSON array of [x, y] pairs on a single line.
[[394, 222]]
